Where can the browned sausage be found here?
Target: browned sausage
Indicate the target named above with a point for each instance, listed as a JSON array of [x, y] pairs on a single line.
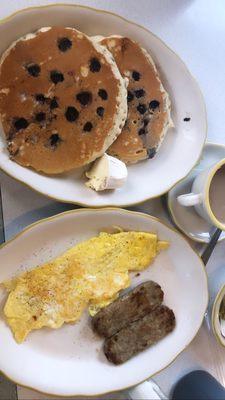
[[139, 335], [127, 308]]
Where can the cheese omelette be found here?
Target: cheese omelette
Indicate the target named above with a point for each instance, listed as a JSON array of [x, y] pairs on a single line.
[[89, 275]]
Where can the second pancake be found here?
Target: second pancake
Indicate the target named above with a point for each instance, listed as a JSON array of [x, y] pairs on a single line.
[[148, 102]]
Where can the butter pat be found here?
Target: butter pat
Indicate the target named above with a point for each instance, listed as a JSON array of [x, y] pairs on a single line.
[[107, 173]]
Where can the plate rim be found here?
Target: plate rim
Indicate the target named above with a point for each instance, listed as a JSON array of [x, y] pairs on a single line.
[[169, 200], [117, 209], [102, 11]]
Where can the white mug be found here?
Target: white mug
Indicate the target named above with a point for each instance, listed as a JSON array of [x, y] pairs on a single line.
[[208, 195]]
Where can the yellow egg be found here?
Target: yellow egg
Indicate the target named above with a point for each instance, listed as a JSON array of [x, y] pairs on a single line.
[[91, 274]]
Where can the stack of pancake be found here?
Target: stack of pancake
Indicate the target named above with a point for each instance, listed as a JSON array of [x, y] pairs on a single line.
[[66, 99]]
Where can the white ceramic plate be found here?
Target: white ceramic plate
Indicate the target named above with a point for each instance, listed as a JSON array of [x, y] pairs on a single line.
[[70, 360], [182, 146]]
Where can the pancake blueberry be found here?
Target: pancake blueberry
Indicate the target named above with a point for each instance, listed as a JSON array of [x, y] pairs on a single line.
[[62, 100], [148, 102]]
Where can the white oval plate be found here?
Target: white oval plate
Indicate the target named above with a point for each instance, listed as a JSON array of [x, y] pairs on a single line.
[[182, 146], [70, 360]]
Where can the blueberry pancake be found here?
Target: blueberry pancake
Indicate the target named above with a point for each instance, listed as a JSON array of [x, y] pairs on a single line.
[[62, 100], [148, 102]]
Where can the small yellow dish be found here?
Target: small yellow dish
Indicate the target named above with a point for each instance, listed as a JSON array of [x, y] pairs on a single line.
[[216, 321]]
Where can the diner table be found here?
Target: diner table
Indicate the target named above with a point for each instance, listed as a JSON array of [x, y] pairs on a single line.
[[195, 30]]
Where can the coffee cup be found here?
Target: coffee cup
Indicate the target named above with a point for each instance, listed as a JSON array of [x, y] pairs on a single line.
[[208, 195]]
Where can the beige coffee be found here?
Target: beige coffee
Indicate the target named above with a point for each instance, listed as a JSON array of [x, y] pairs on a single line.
[[217, 195]]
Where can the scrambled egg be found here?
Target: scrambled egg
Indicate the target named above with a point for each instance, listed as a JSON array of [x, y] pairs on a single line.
[[91, 274]]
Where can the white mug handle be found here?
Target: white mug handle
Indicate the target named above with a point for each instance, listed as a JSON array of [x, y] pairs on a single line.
[[189, 199]]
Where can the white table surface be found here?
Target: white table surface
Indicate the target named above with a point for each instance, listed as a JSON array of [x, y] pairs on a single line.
[[195, 29]]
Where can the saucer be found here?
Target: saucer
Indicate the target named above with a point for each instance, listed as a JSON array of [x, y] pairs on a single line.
[[186, 218]]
